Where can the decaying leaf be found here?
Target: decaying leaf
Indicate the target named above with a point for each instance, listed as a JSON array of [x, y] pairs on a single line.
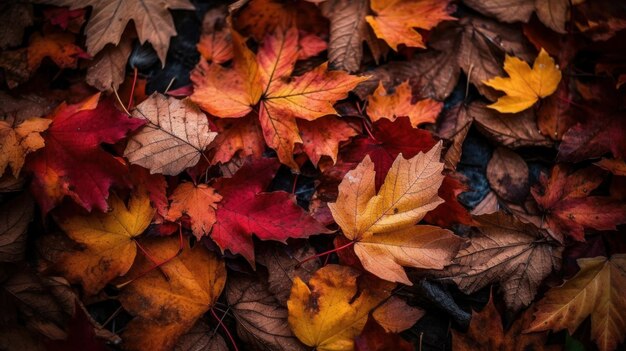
[[109, 18], [504, 250], [596, 291], [176, 135], [486, 333], [166, 308], [108, 241], [507, 173], [18, 139]]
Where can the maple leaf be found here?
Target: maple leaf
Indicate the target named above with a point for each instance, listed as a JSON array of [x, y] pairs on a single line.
[[108, 241], [174, 138], [399, 104], [216, 46], [322, 137], [199, 203], [395, 20], [569, 208], [259, 79], [166, 308], [246, 209], [109, 18], [382, 227], [374, 337], [525, 86], [504, 250], [486, 333], [596, 291], [325, 313], [18, 139], [72, 162]]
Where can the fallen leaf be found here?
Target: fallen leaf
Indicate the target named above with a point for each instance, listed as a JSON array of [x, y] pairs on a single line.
[[322, 137], [525, 86], [261, 79], [216, 46], [201, 337], [507, 173], [261, 317], [399, 104], [72, 163], [395, 21], [553, 13], [109, 67], [18, 139], [246, 209], [166, 308], [617, 167], [174, 138], [504, 250], [199, 203], [347, 32], [109, 18], [395, 315], [237, 136], [15, 216], [374, 337], [20, 64], [513, 131], [568, 207], [382, 227], [596, 291], [45, 304], [483, 45], [486, 333], [327, 313], [108, 241]]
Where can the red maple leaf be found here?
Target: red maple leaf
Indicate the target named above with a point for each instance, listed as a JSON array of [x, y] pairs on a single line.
[[72, 163], [246, 209]]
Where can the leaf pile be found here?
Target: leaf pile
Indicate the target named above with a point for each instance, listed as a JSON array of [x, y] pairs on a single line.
[[312, 174]]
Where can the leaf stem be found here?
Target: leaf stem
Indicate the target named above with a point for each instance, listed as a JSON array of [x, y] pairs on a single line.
[[230, 336], [325, 253], [132, 90]]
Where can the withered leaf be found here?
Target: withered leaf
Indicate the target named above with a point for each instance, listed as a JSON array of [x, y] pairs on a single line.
[[15, 216], [504, 250], [507, 173]]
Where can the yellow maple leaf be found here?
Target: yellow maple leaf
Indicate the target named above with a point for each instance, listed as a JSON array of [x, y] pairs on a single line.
[[525, 86], [382, 226], [597, 290], [324, 314], [394, 20], [18, 141], [108, 241]]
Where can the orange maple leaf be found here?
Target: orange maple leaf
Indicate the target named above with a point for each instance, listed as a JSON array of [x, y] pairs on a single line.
[[259, 82]]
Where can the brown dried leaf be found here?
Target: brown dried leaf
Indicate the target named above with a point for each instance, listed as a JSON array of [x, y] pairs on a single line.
[[517, 255], [347, 32], [261, 317], [510, 130], [174, 138], [201, 337], [507, 173], [20, 16], [109, 67]]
